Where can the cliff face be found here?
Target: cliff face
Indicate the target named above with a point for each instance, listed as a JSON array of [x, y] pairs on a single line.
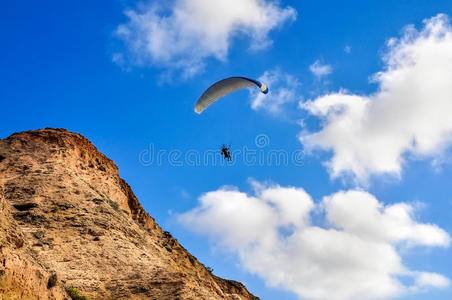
[[69, 221]]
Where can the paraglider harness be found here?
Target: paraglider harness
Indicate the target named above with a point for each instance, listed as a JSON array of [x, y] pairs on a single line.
[[226, 153]]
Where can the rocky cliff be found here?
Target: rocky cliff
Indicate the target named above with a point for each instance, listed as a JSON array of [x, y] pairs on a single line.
[[71, 227]]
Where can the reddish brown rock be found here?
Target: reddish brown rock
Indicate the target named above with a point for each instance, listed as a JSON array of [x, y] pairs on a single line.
[[69, 221]]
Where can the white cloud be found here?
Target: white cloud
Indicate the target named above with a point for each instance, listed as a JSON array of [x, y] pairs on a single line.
[[431, 279], [320, 70], [282, 89], [354, 256], [409, 115], [348, 49], [181, 35]]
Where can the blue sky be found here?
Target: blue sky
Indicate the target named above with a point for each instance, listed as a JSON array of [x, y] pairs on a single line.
[[126, 74]]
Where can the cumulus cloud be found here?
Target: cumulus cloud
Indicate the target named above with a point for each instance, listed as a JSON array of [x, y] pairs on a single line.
[[320, 70], [407, 117], [283, 89], [182, 34], [353, 256], [431, 279]]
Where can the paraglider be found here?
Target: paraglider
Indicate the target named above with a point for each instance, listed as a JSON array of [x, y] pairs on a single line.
[[226, 153], [224, 87]]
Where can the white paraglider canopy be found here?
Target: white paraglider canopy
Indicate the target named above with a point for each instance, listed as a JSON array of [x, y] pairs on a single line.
[[224, 87]]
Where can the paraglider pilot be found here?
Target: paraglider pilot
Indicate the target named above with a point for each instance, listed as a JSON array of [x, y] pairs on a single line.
[[226, 153]]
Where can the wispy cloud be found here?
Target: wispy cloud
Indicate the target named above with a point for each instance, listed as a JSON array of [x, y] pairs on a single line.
[[354, 256], [183, 34], [283, 89], [408, 116], [320, 70]]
